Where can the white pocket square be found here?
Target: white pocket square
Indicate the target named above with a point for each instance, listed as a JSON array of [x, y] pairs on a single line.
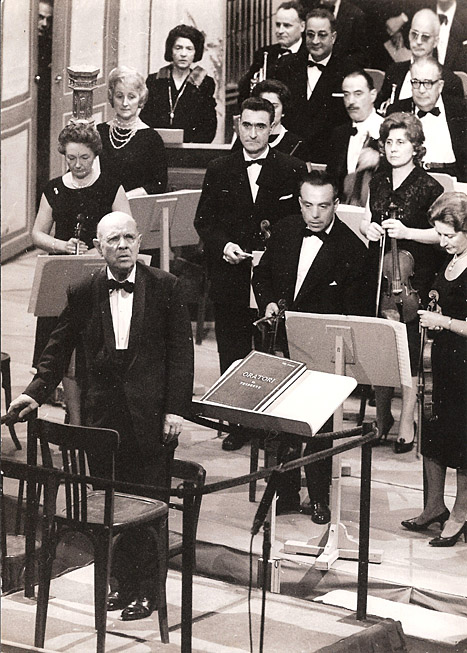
[[334, 283], [286, 197]]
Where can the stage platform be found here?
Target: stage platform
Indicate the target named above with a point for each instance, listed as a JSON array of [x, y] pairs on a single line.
[[411, 572]]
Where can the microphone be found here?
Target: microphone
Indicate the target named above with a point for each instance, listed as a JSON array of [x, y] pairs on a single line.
[[265, 502]]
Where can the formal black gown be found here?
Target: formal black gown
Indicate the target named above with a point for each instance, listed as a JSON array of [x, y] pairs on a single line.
[[142, 162], [445, 437]]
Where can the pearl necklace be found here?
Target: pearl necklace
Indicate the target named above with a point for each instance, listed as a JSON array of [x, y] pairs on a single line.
[[456, 258], [79, 186], [121, 136]]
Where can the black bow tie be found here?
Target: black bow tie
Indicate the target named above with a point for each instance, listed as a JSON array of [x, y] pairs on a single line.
[[435, 111], [443, 19], [353, 131], [322, 235], [128, 286], [319, 66], [260, 162], [284, 51]]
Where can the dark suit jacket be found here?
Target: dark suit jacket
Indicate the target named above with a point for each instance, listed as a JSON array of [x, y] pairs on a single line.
[[456, 116], [226, 213], [159, 375], [396, 73], [315, 118], [258, 61], [336, 281]]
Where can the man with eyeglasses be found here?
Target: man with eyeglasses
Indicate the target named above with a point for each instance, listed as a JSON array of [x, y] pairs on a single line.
[[133, 334], [423, 40], [314, 81], [253, 184], [444, 119]]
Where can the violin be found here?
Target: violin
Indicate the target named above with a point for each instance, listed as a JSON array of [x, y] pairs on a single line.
[[80, 219], [399, 301], [425, 375]]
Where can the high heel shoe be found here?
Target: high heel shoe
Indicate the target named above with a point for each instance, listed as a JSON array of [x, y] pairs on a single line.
[[401, 446], [411, 524], [449, 541], [385, 430]]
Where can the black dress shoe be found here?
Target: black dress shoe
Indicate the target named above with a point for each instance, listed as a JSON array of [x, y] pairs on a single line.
[[140, 608], [117, 601], [319, 511], [234, 441]]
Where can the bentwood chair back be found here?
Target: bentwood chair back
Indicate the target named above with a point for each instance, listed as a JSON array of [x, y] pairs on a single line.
[[100, 514]]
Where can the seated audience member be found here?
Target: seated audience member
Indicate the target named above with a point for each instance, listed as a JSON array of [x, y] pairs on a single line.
[[131, 151], [452, 16], [281, 138], [423, 39], [289, 24], [351, 26], [444, 119], [353, 149], [316, 264], [315, 79], [182, 96], [255, 183]]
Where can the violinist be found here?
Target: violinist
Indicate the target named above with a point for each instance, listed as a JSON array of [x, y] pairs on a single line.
[[444, 439], [400, 195]]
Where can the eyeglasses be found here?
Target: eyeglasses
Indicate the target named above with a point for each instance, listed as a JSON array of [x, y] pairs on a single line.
[[426, 83], [114, 241], [424, 38]]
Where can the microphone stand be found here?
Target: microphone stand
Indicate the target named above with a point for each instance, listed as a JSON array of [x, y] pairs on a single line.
[[266, 554]]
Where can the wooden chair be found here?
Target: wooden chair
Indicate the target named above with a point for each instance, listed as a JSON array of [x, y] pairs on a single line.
[[377, 77], [99, 514], [463, 77], [6, 385], [190, 472], [446, 181]]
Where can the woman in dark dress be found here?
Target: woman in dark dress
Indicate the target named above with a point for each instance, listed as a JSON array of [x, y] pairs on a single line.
[[182, 96], [131, 151], [444, 438], [71, 206], [404, 184]]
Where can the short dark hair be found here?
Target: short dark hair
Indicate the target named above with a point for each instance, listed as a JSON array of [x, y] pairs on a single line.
[[322, 12], [320, 178], [451, 209], [259, 104], [273, 86], [184, 32], [359, 72], [413, 129], [293, 5], [80, 132]]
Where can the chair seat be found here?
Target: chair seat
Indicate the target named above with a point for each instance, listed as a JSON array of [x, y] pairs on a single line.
[[129, 510]]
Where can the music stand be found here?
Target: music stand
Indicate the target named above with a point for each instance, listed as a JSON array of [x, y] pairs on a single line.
[[373, 351], [153, 215]]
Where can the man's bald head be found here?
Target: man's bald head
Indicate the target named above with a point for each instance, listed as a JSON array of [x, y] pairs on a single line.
[[424, 33], [118, 241]]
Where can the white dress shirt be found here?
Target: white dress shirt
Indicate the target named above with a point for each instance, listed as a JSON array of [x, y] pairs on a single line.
[[121, 308], [308, 252], [367, 128], [406, 88], [314, 74], [254, 171], [444, 31], [437, 137]]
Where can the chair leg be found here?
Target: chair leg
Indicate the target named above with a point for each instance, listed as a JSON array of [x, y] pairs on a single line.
[[47, 556], [160, 532], [102, 554]]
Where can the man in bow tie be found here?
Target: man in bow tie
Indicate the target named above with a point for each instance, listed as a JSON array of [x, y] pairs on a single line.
[[444, 119], [252, 184], [132, 333], [316, 264], [314, 79]]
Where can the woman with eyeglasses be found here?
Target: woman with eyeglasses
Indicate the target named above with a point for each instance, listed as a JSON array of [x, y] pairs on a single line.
[[401, 193]]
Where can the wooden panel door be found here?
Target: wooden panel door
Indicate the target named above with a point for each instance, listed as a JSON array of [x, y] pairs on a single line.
[[85, 32], [18, 114]]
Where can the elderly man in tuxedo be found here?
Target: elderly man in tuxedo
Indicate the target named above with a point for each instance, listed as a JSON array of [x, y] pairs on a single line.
[[133, 334], [253, 184], [314, 79], [353, 150], [289, 26], [423, 39], [315, 264], [444, 119]]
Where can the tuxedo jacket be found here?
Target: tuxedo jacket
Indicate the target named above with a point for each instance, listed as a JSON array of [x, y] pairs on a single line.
[[337, 281], [226, 213], [396, 72], [315, 118], [274, 55], [456, 117], [337, 152], [158, 377], [352, 34]]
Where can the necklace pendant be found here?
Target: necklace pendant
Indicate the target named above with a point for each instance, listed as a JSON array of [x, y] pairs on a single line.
[[171, 115]]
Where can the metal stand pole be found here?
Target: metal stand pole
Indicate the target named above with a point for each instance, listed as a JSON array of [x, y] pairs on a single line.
[[364, 535], [188, 556], [266, 554]]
